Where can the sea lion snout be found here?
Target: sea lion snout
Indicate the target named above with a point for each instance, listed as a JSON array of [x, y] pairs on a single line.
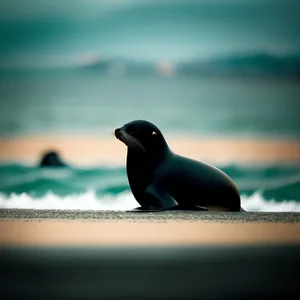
[[118, 133]]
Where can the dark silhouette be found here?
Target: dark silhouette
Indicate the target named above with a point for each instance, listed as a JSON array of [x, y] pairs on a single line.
[[163, 180], [51, 159]]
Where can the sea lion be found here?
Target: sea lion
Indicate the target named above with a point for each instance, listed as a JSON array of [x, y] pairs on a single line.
[[163, 180], [51, 159]]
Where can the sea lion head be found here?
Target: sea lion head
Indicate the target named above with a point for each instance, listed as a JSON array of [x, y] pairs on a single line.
[[142, 137]]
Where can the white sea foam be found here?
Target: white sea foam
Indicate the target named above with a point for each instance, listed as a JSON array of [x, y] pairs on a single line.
[[256, 202], [87, 201], [125, 201]]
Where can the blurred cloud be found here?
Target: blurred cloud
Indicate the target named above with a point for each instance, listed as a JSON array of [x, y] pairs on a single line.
[[146, 30], [17, 10]]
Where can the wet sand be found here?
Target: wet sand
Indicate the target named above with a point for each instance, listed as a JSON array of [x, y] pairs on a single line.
[[178, 216], [108, 150]]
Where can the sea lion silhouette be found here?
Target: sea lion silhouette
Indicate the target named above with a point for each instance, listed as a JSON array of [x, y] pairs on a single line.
[[163, 180]]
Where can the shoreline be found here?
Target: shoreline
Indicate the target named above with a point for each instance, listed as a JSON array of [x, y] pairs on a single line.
[[108, 150]]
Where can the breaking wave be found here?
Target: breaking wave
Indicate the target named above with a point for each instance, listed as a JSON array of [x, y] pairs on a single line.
[[263, 187], [125, 201]]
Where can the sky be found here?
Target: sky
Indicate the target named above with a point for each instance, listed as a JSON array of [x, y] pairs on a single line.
[[65, 31]]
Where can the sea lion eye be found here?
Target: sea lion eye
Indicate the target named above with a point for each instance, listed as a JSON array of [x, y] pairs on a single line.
[[154, 133]]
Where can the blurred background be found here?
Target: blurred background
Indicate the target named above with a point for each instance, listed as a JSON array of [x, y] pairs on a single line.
[[220, 78]]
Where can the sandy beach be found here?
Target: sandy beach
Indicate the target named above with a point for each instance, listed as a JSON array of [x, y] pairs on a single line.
[[52, 254], [106, 228], [108, 150]]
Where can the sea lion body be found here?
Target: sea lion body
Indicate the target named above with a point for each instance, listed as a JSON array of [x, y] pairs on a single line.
[[163, 180]]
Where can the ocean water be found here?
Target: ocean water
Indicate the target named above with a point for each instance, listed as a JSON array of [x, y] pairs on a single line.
[[88, 102], [263, 188]]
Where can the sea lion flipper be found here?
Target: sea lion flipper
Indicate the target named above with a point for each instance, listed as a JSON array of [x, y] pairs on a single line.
[[144, 209], [137, 209], [201, 208], [162, 200], [193, 207], [159, 201]]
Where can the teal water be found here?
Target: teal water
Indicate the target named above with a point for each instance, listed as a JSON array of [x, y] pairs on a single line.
[[277, 182], [91, 103], [263, 188]]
